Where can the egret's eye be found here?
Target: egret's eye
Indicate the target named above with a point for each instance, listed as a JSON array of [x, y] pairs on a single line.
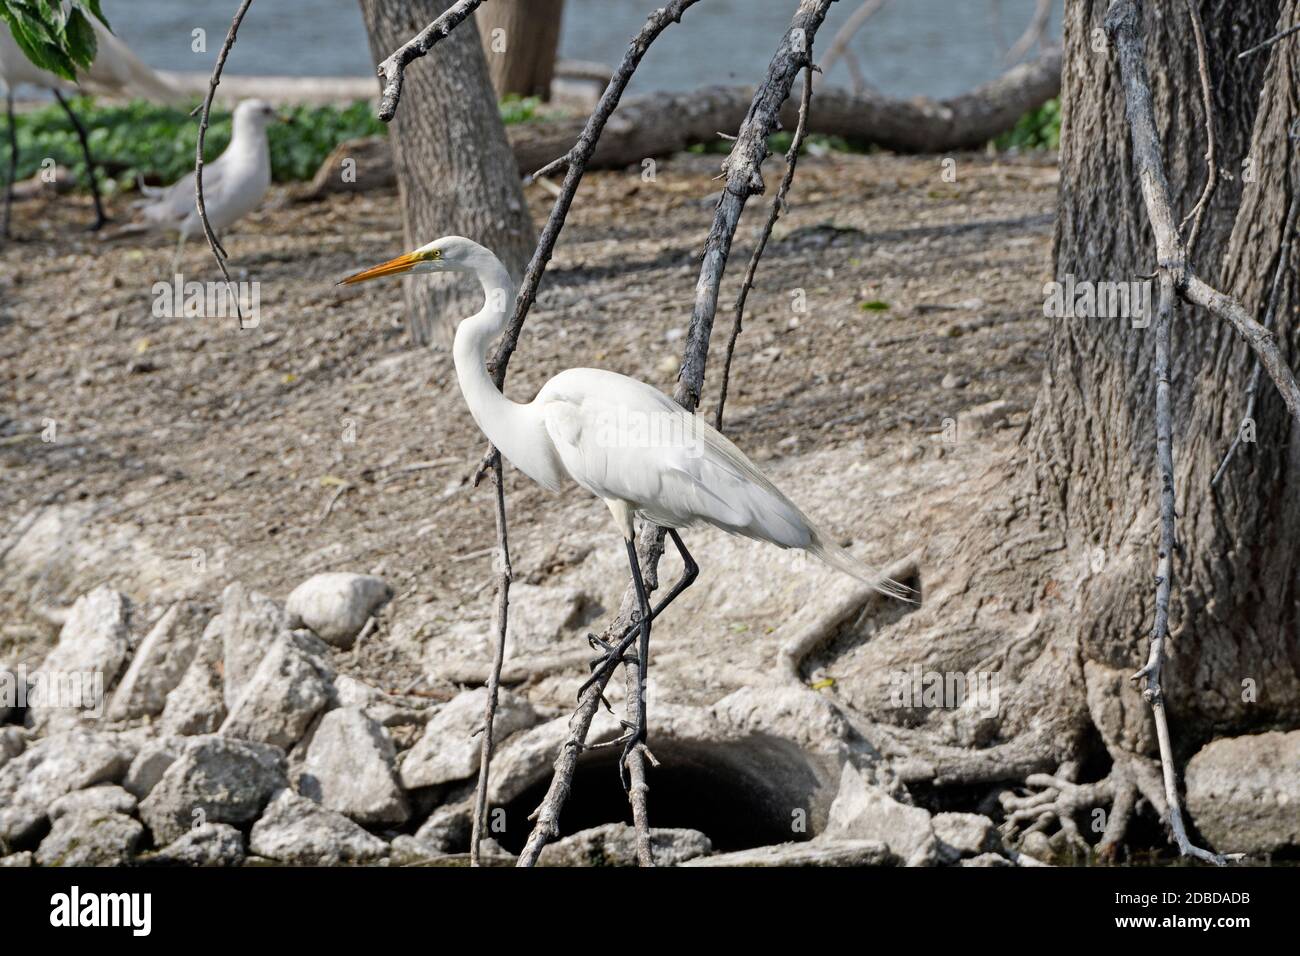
[[434, 254]]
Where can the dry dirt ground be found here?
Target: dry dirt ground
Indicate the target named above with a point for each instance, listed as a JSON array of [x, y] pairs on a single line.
[[188, 453]]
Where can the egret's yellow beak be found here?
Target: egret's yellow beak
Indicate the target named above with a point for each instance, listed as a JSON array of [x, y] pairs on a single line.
[[393, 267]]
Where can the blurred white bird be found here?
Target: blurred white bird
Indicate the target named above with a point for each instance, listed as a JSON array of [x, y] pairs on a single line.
[[233, 184], [625, 442], [116, 71]]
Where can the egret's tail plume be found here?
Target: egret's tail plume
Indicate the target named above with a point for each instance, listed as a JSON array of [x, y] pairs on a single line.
[[841, 560]]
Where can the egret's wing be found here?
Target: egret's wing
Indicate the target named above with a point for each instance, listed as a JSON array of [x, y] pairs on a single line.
[[621, 439]]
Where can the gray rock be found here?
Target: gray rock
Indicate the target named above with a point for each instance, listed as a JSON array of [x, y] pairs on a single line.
[[966, 834], [349, 769], [61, 763], [1244, 792], [150, 763], [295, 830], [106, 798], [863, 811], [17, 859], [90, 838], [20, 823], [336, 606], [13, 740], [93, 645], [250, 623], [447, 830], [160, 662], [1035, 845], [290, 686], [390, 710], [198, 705], [986, 859], [213, 844], [216, 780], [820, 853], [448, 750], [614, 844], [541, 618]]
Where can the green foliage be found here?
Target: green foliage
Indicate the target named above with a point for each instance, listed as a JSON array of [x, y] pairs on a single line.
[[156, 143], [61, 41], [1037, 129]]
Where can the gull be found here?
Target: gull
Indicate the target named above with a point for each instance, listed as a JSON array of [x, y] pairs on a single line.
[[233, 184]]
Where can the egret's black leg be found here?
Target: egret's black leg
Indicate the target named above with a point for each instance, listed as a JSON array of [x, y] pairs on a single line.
[[13, 162], [100, 218], [690, 571]]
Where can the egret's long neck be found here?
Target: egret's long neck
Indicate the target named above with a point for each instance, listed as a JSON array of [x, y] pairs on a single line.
[[494, 412]]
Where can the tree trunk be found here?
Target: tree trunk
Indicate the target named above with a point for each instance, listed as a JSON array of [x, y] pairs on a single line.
[[1234, 617], [520, 40], [455, 172], [1051, 584]]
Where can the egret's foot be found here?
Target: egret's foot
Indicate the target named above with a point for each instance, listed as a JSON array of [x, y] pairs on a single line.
[[635, 737], [613, 656], [100, 222]]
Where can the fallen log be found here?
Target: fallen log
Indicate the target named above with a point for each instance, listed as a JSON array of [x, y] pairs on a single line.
[[666, 123]]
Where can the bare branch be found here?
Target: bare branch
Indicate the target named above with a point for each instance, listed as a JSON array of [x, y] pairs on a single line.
[[844, 36], [393, 70], [1207, 101], [504, 575], [1274, 295], [218, 251], [1269, 42], [774, 213], [1035, 32]]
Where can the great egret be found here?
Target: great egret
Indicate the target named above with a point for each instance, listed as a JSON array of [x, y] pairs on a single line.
[[116, 71], [233, 184], [625, 442]]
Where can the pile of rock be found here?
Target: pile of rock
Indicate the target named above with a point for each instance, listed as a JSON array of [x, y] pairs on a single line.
[[226, 733]]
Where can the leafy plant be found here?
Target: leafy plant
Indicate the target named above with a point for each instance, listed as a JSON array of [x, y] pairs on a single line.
[[139, 140], [55, 37], [1037, 129]]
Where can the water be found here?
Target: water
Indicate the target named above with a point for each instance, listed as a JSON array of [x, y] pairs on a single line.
[[911, 47]]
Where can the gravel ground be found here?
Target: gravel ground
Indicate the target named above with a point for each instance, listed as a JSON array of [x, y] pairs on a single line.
[[200, 438]]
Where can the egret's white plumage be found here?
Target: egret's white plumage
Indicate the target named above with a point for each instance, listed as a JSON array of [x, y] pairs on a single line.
[[622, 440]]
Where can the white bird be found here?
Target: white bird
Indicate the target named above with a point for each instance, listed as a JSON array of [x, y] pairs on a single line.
[[115, 71], [625, 442], [233, 184]]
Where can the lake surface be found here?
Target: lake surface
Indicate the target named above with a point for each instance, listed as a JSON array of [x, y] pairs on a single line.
[[911, 47]]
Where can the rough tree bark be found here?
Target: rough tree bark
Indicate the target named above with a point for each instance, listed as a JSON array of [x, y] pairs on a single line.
[[521, 57], [455, 171]]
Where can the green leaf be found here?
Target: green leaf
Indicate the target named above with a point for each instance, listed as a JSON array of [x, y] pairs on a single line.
[[81, 42]]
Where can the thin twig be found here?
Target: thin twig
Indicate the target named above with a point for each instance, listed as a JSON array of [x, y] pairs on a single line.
[[218, 251], [504, 575], [1269, 42], [774, 213], [393, 70], [1274, 296], [743, 180], [1207, 100], [1035, 31], [840, 42]]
